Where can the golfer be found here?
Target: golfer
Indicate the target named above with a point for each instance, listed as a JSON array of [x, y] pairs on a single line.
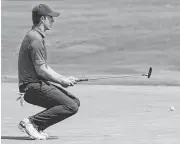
[[35, 76]]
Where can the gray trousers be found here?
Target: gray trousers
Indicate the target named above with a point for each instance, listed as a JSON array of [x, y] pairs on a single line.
[[59, 104]]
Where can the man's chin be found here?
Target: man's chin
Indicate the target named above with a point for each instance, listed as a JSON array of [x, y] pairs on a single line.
[[48, 28]]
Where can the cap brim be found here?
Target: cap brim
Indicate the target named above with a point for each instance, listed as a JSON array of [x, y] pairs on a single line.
[[54, 14]]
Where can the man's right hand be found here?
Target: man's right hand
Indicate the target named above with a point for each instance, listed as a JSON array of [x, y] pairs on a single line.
[[66, 82]]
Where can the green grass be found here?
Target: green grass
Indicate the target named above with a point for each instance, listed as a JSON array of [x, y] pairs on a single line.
[[101, 38]]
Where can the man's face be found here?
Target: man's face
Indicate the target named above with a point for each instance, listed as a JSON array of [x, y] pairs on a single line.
[[48, 22]]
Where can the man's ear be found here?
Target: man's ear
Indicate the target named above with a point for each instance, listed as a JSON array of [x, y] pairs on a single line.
[[42, 19]]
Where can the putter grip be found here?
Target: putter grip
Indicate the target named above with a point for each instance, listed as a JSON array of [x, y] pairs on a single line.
[[83, 79]]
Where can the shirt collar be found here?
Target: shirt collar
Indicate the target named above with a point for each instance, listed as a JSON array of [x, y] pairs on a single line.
[[39, 31]]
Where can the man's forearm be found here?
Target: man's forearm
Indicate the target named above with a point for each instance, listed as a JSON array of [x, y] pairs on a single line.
[[50, 75], [55, 73]]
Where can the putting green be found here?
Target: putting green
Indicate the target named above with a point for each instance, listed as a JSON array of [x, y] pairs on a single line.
[[108, 114]]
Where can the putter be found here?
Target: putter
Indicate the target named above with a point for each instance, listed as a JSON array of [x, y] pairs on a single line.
[[148, 75]]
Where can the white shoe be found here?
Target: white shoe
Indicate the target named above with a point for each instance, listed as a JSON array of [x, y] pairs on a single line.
[[26, 126], [44, 134]]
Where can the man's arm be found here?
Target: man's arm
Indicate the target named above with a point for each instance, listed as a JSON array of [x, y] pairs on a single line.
[[54, 72], [71, 78], [38, 59], [49, 74]]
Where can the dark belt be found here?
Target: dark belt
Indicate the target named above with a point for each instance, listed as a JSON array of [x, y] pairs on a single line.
[[23, 85]]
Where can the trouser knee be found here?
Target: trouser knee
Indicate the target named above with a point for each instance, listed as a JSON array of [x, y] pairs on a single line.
[[78, 102], [74, 108]]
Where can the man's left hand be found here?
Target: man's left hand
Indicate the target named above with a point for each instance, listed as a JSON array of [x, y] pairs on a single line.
[[73, 79]]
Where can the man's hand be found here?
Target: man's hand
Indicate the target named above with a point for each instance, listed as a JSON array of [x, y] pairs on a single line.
[[74, 80], [66, 82], [70, 81]]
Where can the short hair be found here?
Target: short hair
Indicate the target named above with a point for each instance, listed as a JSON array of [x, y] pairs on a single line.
[[36, 18]]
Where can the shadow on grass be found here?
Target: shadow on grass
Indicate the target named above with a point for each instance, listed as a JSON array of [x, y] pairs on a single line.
[[24, 138]]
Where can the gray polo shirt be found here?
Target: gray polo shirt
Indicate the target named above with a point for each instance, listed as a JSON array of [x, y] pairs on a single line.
[[32, 52]]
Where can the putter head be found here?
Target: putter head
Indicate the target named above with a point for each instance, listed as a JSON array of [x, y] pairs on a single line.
[[149, 73]]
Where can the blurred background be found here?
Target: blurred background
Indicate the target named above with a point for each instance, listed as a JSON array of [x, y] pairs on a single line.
[[95, 38]]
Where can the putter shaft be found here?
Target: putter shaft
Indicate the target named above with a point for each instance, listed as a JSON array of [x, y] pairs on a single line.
[[87, 79]]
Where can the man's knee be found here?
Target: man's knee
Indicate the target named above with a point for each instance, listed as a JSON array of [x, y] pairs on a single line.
[[68, 109], [73, 107], [75, 99], [78, 102]]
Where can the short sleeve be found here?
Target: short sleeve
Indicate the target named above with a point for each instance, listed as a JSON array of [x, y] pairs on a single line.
[[37, 53]]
